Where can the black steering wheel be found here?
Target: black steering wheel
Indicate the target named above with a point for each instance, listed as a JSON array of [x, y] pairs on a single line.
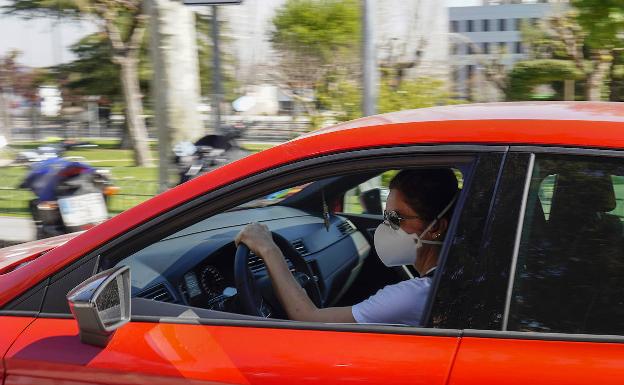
[[249, 296]]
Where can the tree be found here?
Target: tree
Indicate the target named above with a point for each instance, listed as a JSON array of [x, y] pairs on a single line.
[[123, 24], [344, 96], [8, 70], [525, 75], [603, 24], [16, 80], [562, 48], [93, 72], [314, 39]]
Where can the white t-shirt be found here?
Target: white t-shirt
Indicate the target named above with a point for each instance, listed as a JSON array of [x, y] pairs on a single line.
[[401, 303]]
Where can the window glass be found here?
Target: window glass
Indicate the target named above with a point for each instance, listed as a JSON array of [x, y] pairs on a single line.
[[454, 26], [366, 197], [502, 25], [331, 254], [570, 270]]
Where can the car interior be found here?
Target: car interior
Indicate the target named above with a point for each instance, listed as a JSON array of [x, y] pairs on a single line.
[[573, 240], [324, 228]]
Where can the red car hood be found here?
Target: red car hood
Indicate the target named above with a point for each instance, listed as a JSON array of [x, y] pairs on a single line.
[[13, 257]]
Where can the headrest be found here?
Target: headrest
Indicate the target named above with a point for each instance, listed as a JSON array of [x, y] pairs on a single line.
[[584, 191]]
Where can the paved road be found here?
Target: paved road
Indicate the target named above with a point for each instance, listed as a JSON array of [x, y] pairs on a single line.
[[16, 230]]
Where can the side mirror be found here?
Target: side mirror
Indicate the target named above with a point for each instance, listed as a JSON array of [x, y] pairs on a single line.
[[101, 305]]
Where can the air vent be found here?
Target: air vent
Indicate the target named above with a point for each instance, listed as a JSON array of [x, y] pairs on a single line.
[[300, 247], [157, 293], [255, 263], [346, 228]]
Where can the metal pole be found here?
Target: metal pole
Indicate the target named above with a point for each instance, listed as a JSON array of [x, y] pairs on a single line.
[[216, 56], [369, 59]]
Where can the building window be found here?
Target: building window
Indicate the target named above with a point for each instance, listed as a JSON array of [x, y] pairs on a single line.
[[502, 47], [486, 48], [470, 71], [471, 50], [517, 24], [486, 25], [502, 25], [470, 26], [454, 26], [455, 48], [518, 47]]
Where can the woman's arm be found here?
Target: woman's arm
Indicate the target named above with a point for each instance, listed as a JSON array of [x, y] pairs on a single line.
[[291, 295]]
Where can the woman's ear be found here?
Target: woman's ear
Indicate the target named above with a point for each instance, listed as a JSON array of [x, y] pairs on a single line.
[[441, 226]]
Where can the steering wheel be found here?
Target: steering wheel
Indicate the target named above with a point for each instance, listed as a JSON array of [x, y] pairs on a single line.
[[250, 297]]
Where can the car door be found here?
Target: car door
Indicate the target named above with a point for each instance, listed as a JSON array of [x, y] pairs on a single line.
[[11, 327], [169, 350], [563, 315]]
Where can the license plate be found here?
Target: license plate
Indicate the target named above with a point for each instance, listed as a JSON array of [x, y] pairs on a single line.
[[83, 209]]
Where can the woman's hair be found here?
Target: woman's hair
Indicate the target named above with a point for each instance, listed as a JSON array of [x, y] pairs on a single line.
[[427, 191]]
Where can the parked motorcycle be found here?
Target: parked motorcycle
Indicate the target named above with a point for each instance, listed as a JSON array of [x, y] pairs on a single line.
[[208, 153], [71, 196]]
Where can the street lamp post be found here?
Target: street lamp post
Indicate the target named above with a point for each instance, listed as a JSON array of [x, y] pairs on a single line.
[[369, 59]]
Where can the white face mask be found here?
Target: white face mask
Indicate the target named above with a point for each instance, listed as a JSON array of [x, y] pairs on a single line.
[[397, 248]]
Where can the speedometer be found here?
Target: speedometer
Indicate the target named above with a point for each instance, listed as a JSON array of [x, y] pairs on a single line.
[[212, 281]]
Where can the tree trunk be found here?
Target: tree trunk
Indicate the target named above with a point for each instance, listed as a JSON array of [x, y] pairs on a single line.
[[5, 117], [595, 79], [134, 111]]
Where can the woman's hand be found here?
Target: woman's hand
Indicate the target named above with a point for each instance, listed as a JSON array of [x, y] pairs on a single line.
[[258, 238]]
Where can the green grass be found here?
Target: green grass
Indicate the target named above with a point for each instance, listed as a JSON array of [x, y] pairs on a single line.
[[137, 183]]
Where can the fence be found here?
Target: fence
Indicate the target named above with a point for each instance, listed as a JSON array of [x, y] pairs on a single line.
[[259, 128]]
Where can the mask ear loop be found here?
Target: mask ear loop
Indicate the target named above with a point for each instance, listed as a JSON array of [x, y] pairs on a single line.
[[419, 240]]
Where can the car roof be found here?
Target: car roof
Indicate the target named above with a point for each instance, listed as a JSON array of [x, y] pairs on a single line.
[[546, 111]]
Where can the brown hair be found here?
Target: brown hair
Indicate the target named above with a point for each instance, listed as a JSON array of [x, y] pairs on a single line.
[[427, 191]]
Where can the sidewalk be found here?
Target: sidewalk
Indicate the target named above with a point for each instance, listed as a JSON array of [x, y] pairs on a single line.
[[15, 230]]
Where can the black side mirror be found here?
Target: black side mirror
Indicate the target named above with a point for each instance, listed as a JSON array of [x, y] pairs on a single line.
[[101, 305]]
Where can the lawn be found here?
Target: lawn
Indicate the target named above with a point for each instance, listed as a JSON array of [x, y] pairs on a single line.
[[137, 183]]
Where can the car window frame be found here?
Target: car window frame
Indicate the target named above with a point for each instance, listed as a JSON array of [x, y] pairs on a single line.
[[393, 157], [546, 336]]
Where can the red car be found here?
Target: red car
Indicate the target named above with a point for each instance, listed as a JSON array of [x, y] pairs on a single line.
[[529, 289]]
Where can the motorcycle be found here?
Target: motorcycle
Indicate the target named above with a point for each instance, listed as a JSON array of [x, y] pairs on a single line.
[[208, 153], [71, 196]]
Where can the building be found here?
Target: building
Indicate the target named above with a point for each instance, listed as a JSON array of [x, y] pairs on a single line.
[[482, 35]]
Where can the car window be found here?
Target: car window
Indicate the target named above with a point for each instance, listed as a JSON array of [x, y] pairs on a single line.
[[570, 269], [196, 266], [368, 197]]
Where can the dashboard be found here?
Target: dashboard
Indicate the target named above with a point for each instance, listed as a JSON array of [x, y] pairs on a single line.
[[194, 266]]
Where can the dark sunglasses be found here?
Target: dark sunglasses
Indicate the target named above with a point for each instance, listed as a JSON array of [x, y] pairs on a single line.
[[394, 219]]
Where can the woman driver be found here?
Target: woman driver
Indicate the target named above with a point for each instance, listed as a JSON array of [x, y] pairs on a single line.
[[416, 218]]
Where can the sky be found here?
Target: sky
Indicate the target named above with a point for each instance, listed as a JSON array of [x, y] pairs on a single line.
[[44, 43]]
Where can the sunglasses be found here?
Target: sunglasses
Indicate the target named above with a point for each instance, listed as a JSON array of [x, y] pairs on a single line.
[[393, 219]]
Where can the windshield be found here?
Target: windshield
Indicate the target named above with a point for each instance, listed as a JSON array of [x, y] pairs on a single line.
[[273, 198]]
